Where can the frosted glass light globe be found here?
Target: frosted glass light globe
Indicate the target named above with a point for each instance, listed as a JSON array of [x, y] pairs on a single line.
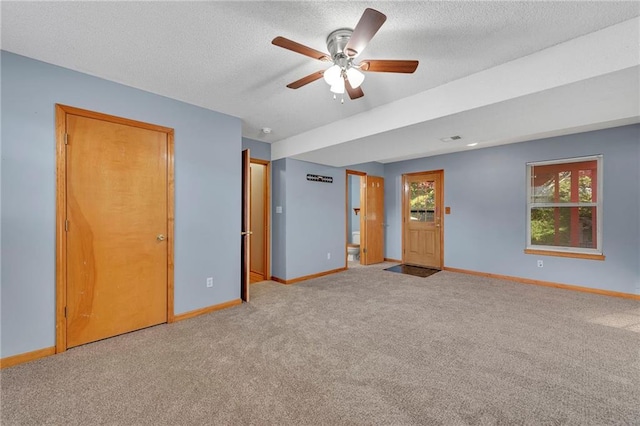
[[355, 77], [338, 87], [332, 75]]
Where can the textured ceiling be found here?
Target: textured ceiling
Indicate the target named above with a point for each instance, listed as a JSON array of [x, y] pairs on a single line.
[[218, 55]]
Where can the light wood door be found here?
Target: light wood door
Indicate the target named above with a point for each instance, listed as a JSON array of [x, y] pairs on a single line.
[[245, 232], [116, 247], [259, 214], [422, 219], [372, 251]]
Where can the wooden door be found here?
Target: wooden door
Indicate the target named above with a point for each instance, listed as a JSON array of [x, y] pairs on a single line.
[[422, 219], [372, 251], [117, 225], [245, 257], [259, 216]]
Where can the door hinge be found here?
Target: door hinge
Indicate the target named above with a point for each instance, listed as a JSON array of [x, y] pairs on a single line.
[[66, 138], [66, 225]]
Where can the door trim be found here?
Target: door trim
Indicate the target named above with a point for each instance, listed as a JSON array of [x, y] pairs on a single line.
[[405, 201], [61, 112], [347, 213], [267, 215]]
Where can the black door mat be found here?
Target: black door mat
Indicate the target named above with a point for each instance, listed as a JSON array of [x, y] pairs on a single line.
[[416, 271]]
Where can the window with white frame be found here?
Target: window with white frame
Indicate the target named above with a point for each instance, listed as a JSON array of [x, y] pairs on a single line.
[[564, 206]]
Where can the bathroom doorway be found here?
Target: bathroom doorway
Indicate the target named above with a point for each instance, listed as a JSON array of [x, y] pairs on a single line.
[[260, 220], [354, 218]]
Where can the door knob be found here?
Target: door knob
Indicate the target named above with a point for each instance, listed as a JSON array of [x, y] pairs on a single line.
[[160, 237]]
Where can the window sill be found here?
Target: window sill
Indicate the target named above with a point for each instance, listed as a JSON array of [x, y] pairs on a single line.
[[565, 254]]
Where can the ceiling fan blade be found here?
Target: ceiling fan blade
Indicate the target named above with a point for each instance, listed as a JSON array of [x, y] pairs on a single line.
[[367, 27], [384, 65], [353, 93], [305, 80], [300, 48]]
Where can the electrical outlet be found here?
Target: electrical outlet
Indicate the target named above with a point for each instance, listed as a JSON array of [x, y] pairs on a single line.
[[328, 256], [540, 263], [210, 282]]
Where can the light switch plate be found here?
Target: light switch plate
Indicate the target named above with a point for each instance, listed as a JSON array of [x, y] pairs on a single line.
[[278, 209]]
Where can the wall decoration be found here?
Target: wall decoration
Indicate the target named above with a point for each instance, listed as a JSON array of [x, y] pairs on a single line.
[[318, 178]]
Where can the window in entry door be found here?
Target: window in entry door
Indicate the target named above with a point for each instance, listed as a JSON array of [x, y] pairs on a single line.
[[422, 201]]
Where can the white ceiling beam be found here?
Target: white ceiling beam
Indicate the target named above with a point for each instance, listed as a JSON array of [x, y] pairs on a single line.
[[602, 52]]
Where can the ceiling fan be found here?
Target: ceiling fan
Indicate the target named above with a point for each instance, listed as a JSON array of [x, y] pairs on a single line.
[[344, 46]]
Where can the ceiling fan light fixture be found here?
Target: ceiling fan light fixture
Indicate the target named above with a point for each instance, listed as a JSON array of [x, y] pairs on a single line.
[[355, 77], [332, 75], [338, 87], [344, 45]]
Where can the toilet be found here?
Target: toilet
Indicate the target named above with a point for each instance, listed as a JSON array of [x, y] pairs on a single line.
[[353, 249]]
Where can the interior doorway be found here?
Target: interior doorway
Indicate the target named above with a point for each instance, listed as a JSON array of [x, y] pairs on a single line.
[[245, 226], [364, 219], [354, 217], [260, 220], [422, 220]]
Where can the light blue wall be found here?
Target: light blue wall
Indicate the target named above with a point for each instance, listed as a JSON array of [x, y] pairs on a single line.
[[207, 193], [278, 225], [259, 150], [313, 218], [312, 222], [486, 190]]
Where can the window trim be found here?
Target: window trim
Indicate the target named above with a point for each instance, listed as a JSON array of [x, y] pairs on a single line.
[[575, 252]]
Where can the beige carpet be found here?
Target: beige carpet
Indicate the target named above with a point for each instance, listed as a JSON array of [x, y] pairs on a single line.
[[365, 346]]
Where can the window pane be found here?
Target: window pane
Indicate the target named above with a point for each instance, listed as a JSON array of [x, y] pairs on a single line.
[[422, 201], [587, 181], [564, 226], [564, 183]]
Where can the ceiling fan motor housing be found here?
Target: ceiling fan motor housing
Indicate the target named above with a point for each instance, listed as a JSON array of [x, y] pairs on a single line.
[[336, 42]]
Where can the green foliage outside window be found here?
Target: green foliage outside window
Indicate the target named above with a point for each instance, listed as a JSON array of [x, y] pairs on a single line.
[[544, 219], [422, 201]]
